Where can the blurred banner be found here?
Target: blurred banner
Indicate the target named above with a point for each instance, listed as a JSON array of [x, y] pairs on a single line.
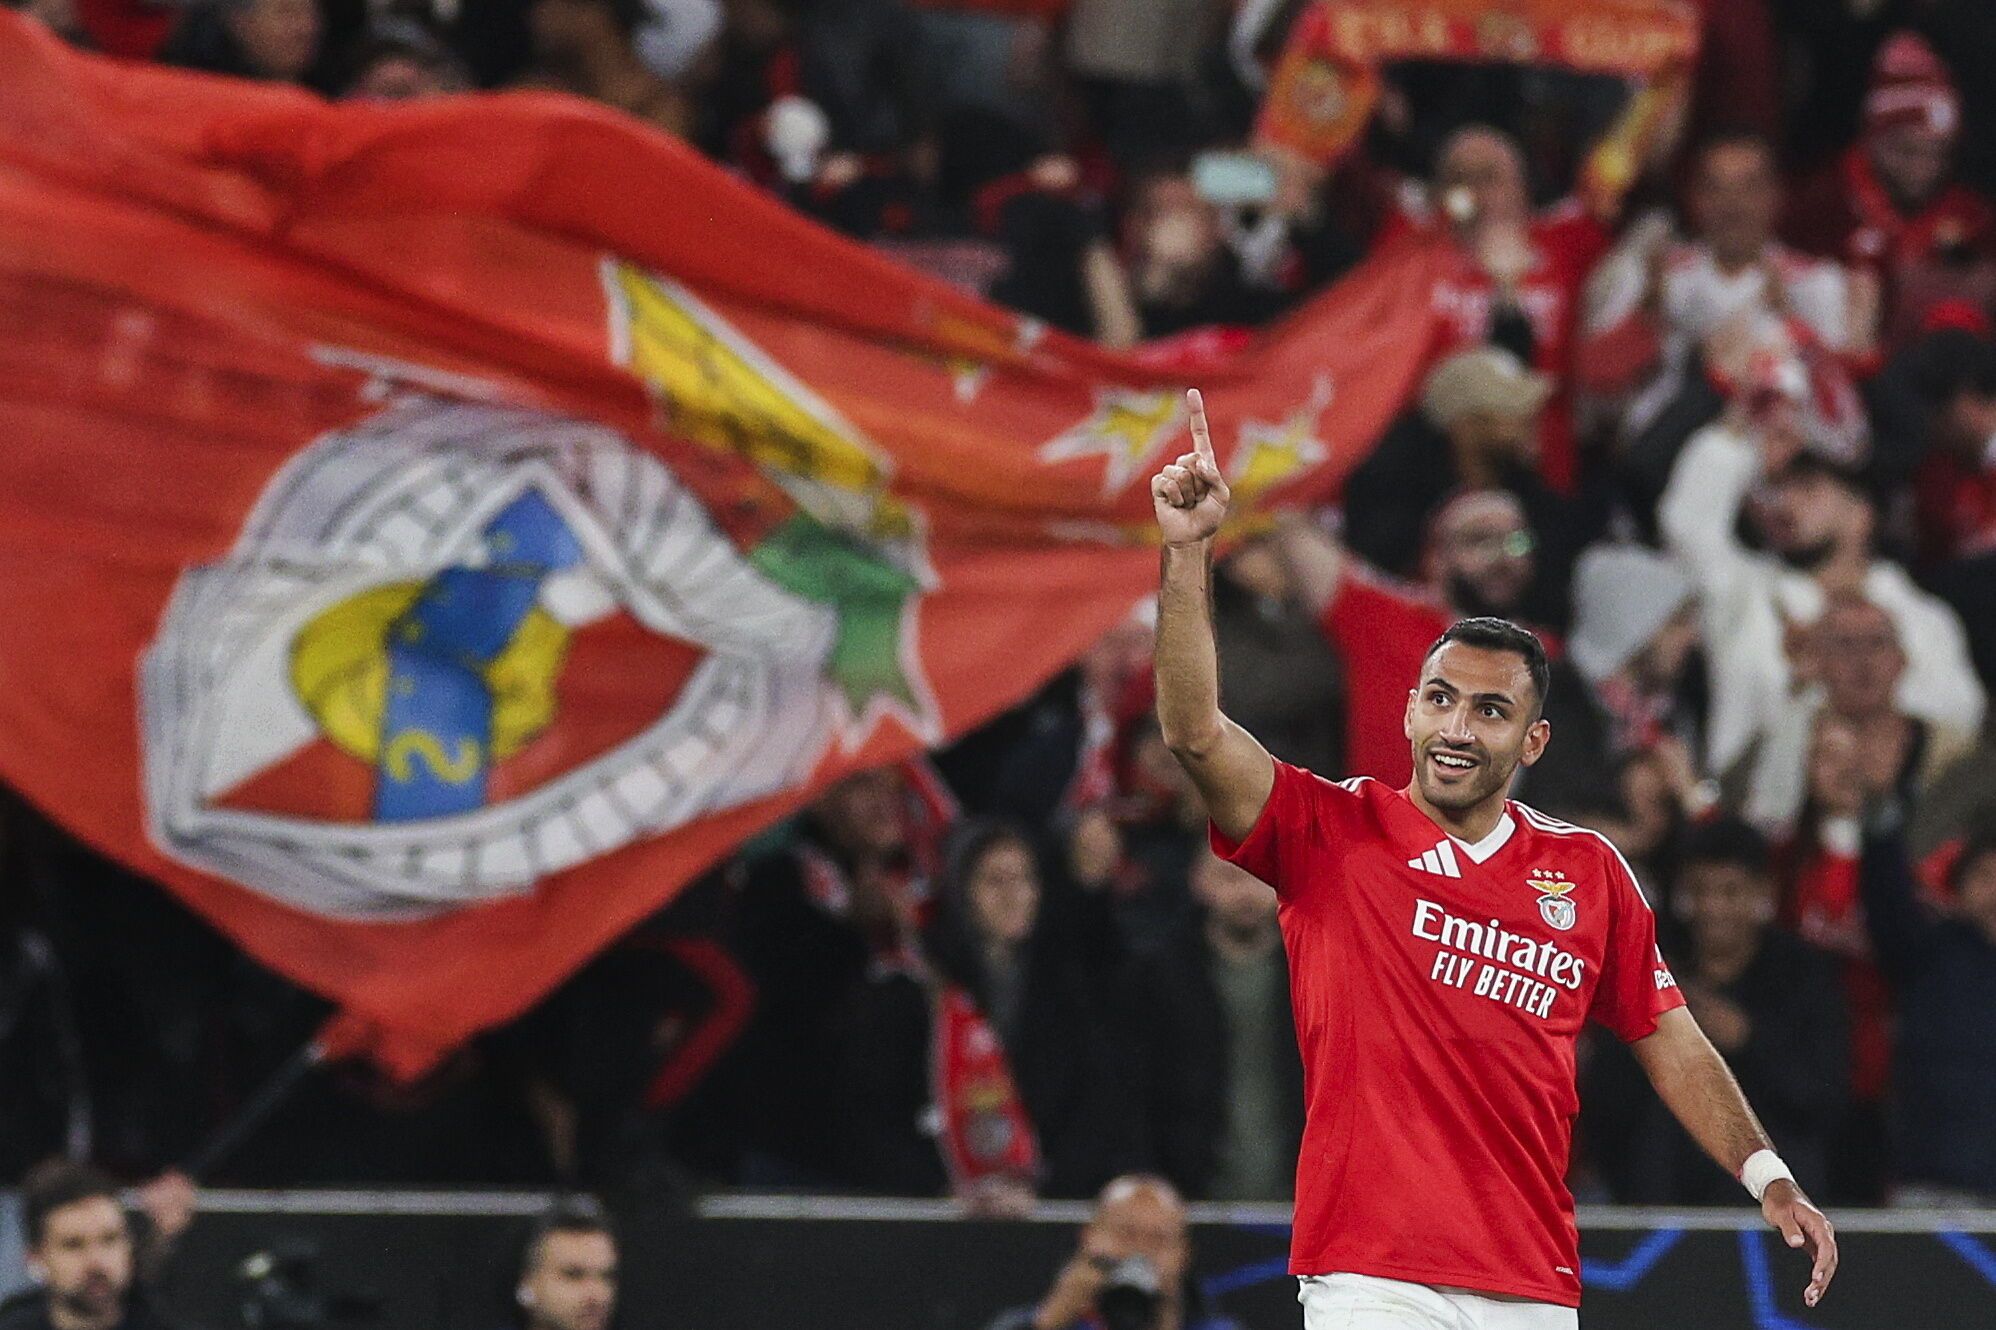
[[430, 535], [1327, 80]]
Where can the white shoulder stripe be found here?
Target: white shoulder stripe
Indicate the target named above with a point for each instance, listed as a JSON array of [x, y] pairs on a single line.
[[1553, 826], [1352, 783]]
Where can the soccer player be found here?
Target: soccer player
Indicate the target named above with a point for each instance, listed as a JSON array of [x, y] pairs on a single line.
[[1445, 947]]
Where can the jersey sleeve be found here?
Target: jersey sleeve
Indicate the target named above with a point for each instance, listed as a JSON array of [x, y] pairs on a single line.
[[1636, 986], [1288, 844]]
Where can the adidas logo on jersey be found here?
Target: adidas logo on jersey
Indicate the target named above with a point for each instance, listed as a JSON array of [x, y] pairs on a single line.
[[1439, 861]]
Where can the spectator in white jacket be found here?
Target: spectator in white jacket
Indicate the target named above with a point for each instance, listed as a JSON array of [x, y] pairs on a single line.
[[1817, 523]]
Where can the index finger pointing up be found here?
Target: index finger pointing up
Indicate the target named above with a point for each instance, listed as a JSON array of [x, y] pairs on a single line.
[[1202, 439]]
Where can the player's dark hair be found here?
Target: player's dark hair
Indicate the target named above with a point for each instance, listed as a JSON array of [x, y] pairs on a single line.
[[54, 1184], [1725, 840], [570, 1214], [1492, 634]]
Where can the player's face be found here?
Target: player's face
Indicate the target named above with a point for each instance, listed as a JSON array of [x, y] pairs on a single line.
[[1472, 722], [573, 1285], [85, 1259]]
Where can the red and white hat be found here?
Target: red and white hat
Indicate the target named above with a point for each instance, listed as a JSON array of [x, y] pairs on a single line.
[[1910, 85]]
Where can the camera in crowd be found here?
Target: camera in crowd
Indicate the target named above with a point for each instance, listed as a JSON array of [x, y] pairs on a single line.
[[1132, 1294], [279, 1289]]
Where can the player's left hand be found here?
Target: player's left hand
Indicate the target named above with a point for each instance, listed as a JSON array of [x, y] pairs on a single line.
[[1803, 1225]]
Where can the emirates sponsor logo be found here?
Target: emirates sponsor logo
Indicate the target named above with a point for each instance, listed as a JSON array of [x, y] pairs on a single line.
[[1494, 963]]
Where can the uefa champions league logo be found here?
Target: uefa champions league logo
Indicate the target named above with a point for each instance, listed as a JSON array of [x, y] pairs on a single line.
[[360, 710]]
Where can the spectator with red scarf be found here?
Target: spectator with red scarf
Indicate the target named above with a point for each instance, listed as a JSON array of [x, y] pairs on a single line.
[[809, 920], [977, 1065], [1891, 206]]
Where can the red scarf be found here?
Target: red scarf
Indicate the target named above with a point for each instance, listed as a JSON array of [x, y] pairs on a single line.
[[982, 1129]]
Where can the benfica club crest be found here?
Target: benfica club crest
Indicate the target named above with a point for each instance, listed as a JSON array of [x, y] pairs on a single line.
[[460, 647], [1555, 900]]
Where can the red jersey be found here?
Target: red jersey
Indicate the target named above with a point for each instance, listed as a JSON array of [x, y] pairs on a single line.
[[1439, 990]]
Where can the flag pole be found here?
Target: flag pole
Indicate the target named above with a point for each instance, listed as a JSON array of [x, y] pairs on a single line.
[[262, 1105]]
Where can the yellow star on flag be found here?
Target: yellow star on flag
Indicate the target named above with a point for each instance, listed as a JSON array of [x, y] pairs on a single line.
[[1127, 428], [1269, 454]]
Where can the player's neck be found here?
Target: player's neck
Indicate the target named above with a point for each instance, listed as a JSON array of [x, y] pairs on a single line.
[[1465, 824]]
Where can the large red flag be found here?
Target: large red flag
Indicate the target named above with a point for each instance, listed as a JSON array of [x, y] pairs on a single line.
[[430, 535]]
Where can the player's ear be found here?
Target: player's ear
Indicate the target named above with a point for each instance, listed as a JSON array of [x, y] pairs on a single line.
[[1407, 716], [1536, 739]]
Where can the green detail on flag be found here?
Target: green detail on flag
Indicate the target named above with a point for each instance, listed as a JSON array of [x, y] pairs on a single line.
[[867, 593]]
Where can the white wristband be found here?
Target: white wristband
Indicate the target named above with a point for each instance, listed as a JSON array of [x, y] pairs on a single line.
[[1763, 1168]]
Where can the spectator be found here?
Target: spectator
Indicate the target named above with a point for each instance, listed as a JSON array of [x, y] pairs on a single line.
[[1767, 1000], [81, 1253], [993, 943], [1518, 277], [275, 40], [1055, 756], [1819, 525], [568, 1271], [1282, 680], [1477, 427], [1890, 206], [1183, 273], [1162, 822], [1211, 1045], [1955, 480], [1957, 485], [1132, 1267], [809, 921], [1733, 278], [1942, 967], [401, 60], [1626, 704], [1853, 663], [587, 47], [1480, 561]]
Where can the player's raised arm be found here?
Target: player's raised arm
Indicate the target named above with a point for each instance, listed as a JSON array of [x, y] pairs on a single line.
[[1696, 1085], [1233, 772]]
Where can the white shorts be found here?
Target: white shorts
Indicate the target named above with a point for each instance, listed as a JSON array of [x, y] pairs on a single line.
[[1362, 1302]]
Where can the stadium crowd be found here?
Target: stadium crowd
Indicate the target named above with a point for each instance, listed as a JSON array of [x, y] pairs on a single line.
[[1726, 435]]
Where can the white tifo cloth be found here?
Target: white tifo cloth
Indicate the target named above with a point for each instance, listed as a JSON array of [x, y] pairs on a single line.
[[1363, 1302]]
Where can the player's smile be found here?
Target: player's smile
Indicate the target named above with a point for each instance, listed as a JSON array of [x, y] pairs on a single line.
[[1451, 765]]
